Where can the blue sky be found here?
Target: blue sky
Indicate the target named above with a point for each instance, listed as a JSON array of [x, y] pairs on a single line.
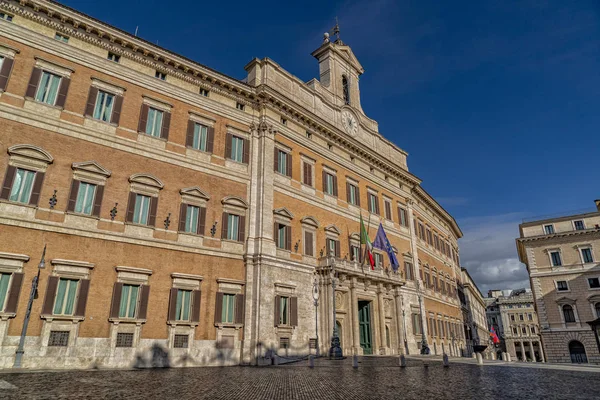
[[497, 101]]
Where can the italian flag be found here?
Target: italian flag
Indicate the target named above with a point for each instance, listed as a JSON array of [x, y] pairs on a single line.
[[364, 239]]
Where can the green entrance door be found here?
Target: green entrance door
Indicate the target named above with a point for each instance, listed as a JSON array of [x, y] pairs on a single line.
[[364, 326]]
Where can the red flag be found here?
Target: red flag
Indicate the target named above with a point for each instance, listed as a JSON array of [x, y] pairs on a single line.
[[494, 336]]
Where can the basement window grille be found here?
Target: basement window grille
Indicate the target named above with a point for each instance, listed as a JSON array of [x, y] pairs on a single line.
[[181, 341], [59, 338], [124, 340]]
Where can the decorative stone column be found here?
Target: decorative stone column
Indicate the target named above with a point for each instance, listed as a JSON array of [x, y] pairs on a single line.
[[400, 320], [523, 356], [381, 306], [416, 267], [531, 350], [354, 307], [542, 359]]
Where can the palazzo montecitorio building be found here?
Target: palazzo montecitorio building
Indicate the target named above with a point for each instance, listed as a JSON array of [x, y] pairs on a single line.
[[189, 217]]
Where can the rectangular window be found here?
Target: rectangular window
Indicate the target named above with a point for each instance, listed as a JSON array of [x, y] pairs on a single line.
[[113, 57], [191, 219], [408, 271], [435, 284], [124, 339], [4, 285], [200, 137], [330, 247], [22, 185], [352, 194], [240, 106], [329, 181], [282, 158], [66, 293], [283, 121], [429, 237], [85, 198], [6, 17], [154, 122], [141, 210], [373, 206], [104, 106], [436, 241], [204, 92], [521, 317], [378, 260], [355, 253], [129, 301], [182, 311], [228, 308], [308, 135], [181, 341], [548, 229], [402, 217], [233, 226], [387, 209], [284, 313], [594, 283], [61, 38], [160, 75], [58, 339], [532, 329], [556, 260], [281, 239], [530, 317], [579, 225], [48, 88], [237, 149], [307, 173], [416, 322], [586, 254]]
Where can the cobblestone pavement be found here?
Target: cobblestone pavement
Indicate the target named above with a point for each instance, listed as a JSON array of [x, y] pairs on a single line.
[[375, 378]]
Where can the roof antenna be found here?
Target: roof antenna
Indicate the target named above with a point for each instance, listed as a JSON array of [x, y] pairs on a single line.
[[136, 29]]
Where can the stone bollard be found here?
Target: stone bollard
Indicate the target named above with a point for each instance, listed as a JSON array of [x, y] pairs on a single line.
[[355, 361], [275, 360], [402, 361], [446, 361], [479, 359], [311, 361], [508, 357], [493, 356]]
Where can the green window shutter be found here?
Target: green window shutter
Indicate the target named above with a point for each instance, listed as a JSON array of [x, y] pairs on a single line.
[[189, 136], [293, 311], [153, 209], [182, 216], [116, 111], [224, 224], [201, 221]]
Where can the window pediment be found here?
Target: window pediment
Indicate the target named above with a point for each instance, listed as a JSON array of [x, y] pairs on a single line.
[[196, 192], [30, 152], [234, 201], [332, 229], [283, 213], [311, 221], [146, 180], [566, 300], [593, 298], [90, 168]]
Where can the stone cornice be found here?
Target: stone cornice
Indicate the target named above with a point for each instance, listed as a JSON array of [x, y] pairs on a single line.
[[559, 235], [425, 197]]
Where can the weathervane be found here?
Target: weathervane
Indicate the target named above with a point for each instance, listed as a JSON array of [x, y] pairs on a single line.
[[333, 31]]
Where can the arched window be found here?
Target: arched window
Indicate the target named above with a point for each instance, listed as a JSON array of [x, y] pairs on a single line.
[[346, 87], [568, 313], [577, 352], [597, 307]]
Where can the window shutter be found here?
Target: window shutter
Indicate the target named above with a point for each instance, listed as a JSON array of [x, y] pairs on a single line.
[[246, 155], [182, 216], [15, 290], [228, 139], [116, 113], [277, 310], [143, 118], [242, 229], [166, 122], [348, 192], [37, 188], [289, 165], [196, 298], [335, 189], [324, 182], [308, 243], [293, 311], [201, 221], [210, 139], [219, 308], [388, 210], [288, 238], [152, 213], [98, 200], [357, 196], [8, 181], [145, 294], [377, 205], [276, 160], [239, 308], [189, 136], [309, 168], [91, 101], [84, 288], [5, 72], [130, 207], [62, 92], [276, 234], [34, 81], [50, 294], [172, 304], [224, 224], [337, 249], [116, 300], [305, 173]]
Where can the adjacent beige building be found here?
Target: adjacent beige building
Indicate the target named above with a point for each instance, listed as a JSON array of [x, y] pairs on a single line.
[[562, 256], [474, 314]]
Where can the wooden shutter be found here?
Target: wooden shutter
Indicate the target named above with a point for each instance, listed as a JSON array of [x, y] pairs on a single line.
[[239, 308], [224, 220], [152, 213], [246, 154], [219, 308], [98, 200], [324, 182], [37, 188], [116, 112], [144, 295], [335, 189], [388, 210], [50, 295], [201, 221], [34, 81], [84, 288], [277, 310], [130, 207], [293, 311], [228, 139], [91, 101], [377, 205], [210, 139], [62, 92], [276, 234], [276, 160], [116, 300], [309, 169], [8, 182], [288, 237], [348, 192], [166, 122], [242, 229], [308, 243], [189, 136], [5, 72], [14, 291], [357, 196], [172, 304], [143, 118], [182, 216], [196, 298], [288, 171], [337, 248]]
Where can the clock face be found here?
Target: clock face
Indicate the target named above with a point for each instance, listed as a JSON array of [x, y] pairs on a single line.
[[349, 122]]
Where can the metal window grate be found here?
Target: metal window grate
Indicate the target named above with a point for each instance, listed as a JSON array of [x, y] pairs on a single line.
[[312, 343], [284, 343], [59, 338], [124, 340], [180, 341]]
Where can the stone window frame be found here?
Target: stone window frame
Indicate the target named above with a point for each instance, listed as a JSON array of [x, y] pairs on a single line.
[[226, 330], [108, 87], [549, 252], [235, 206], [288, 290], [8, 53], [354, 241], [193, 196], [587, 278], [147, 185], [88, 172], [562, 291], [232, 131], [11, 263], [203, 120], [335, 189], [562, 301], [304, 159], [332, 232], [185, 282], [544, 229], [350, 181], [387, 200], [594, 299], [373, 192], [283, 216], [402, 206], [581, 247], [578, 220], [280, 147], [309, 224], [160, 105]]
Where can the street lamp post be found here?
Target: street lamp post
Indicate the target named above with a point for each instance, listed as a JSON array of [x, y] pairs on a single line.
[[335, 351], [404, 326], [32, 294], [315, 294], [424, 345]]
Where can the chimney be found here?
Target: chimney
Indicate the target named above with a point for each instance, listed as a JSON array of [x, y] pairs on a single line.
[[597, 204]]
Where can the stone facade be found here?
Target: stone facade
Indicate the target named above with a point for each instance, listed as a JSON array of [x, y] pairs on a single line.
[[208, 232], [474, 311], [561, 255]]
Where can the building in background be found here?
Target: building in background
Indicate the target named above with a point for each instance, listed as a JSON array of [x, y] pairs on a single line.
[[474, 313], [562, 255], [189, 216]]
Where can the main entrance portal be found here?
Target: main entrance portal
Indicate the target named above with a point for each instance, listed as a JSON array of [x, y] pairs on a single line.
[[364, 326]]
